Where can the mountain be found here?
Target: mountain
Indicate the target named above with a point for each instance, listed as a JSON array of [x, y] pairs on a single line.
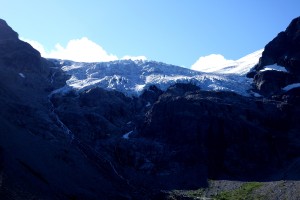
[[148, 130]]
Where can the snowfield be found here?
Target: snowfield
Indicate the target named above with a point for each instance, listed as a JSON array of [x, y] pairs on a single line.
[[132, 77]]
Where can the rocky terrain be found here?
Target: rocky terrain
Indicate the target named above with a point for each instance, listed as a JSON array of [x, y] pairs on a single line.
[[178, 142], [282, 50]]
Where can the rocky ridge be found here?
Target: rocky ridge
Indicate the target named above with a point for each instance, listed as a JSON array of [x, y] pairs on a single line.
[[284, 51]]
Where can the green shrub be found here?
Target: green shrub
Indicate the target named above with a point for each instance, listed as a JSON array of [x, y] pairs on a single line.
[[242, 193]]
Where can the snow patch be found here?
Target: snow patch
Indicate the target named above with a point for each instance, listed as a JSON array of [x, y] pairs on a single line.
[[274, 67], [22, 75], [126, 136], [291, 86]]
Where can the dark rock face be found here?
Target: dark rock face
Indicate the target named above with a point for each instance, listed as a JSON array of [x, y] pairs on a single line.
[[95, 113], [101, 113], [147, 98], [223, 130], [284, 50], [271, 82], [7, 33], [15, 53]]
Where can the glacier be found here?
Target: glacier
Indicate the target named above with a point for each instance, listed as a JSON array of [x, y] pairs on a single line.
[[132, 77]]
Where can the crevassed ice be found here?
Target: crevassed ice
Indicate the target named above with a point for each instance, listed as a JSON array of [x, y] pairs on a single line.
[[132, 77]]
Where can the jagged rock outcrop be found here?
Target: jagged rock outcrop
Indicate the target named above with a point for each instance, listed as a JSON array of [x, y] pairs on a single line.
[[16, 53], [94, 114], [284, 50], [223, 130], [100, 114], [271, 82]]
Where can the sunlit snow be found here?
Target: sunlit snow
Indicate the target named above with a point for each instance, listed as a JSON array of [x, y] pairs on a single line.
[[133, 77], [274, 67]]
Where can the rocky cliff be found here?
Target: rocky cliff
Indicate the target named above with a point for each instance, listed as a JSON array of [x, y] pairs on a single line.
[[39, 158], [284, 51]]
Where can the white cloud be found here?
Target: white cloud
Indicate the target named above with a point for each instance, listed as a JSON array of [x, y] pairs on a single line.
[[38, 46], [211, 63], [134, 58], [80, 50]]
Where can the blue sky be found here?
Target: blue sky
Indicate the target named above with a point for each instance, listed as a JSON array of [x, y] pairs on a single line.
[[171, 31]]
